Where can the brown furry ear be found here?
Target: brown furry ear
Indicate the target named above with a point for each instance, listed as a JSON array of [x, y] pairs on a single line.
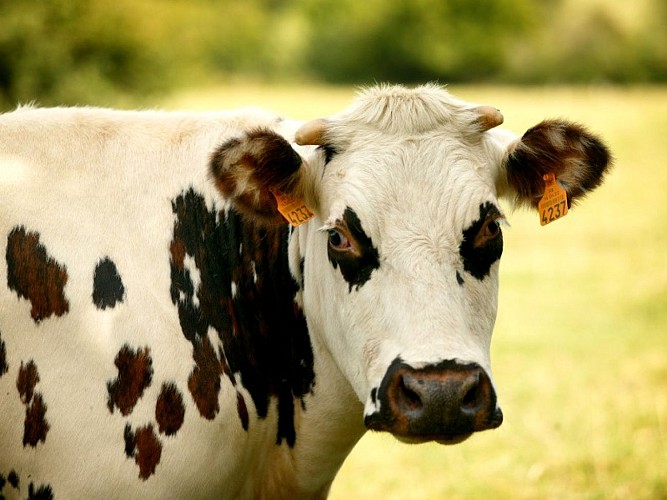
[[577, 158], [247, 169]]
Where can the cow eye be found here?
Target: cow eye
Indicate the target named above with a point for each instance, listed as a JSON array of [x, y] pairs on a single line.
[[337, 241], [492, 229], [489, 232]]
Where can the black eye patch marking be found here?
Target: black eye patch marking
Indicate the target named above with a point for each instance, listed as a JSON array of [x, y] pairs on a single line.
[[358, 264], [482, 243]]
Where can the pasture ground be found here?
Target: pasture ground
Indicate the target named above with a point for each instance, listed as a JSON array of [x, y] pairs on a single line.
[[580, 345]]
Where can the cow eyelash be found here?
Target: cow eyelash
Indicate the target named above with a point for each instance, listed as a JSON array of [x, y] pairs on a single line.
[[502, 222], [499, 222]]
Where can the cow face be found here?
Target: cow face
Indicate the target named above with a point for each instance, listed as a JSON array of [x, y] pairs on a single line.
[[399, 268]]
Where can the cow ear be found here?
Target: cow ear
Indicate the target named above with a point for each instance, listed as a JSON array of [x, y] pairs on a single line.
[[249, 169], [577, 158]]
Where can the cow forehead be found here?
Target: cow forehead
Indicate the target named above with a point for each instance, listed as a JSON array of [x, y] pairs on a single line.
[[417, 185], [397, 110]]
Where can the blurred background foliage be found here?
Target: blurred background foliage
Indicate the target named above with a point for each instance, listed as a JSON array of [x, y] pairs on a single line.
[[96, 51]]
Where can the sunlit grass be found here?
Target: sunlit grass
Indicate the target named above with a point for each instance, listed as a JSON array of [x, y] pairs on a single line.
[[580, 347]]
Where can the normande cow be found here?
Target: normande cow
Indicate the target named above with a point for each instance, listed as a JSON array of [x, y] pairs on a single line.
[[165, 333]]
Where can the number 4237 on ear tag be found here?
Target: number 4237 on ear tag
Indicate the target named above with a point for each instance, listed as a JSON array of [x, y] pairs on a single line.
[[293, 210], [553, 204]]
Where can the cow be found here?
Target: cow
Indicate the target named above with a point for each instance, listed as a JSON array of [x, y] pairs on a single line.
[[220, 304]]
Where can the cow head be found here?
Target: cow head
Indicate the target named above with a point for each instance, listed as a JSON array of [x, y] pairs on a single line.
[[399, 268]]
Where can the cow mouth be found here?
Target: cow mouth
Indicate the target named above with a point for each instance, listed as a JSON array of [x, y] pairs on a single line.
[[454, 439], [444, 440], [401, 430]]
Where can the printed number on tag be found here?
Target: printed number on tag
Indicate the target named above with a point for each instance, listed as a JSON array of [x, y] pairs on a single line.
[[553, 204], [293, 210]]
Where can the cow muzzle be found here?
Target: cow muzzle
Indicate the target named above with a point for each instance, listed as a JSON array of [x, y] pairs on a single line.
[[444, 402]]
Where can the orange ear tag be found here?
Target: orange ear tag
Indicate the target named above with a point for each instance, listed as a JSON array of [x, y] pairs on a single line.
[[553, 204], [294, 210]]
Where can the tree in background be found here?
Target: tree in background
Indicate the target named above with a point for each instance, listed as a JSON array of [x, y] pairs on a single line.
[[410, 40], [96, 51], [57, 49]]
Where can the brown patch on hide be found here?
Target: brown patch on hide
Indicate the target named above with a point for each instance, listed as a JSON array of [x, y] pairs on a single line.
[[145, 447], [177, 250], [204, 381], [169, 410], [135, 373], [35, 276], [26, 381], [35, 426]]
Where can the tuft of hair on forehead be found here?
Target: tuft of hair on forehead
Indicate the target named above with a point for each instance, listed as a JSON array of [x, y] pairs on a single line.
[[394, 109]]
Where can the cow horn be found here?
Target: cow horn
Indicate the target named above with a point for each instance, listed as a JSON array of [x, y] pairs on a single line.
[[488, 117], [311, 133]]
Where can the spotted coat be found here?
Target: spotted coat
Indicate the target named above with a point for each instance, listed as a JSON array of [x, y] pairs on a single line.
[[165, 334]]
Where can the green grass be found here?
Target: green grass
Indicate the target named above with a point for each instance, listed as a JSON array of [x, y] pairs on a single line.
[[580, 345]]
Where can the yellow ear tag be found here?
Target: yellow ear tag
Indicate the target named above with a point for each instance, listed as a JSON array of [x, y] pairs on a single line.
[[294, 210], [553, 204]]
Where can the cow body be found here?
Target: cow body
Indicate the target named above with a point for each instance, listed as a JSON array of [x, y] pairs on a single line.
[[163, 335]]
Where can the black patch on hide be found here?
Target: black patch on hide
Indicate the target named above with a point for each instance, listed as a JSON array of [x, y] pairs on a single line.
[[261, 332], [355, 267], [477, 260], [108, 286]]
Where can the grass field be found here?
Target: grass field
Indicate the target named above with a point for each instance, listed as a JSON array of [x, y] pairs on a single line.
[[580, 345]]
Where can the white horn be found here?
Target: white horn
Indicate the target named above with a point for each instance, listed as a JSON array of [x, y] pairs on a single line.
[[488, 117], [311, 133]]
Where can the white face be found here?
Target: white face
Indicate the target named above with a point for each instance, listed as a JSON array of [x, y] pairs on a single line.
[[406, 259], [400, 266]]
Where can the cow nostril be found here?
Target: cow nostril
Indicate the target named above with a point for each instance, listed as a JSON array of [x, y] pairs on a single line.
[[409, 398], [473, 397]]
